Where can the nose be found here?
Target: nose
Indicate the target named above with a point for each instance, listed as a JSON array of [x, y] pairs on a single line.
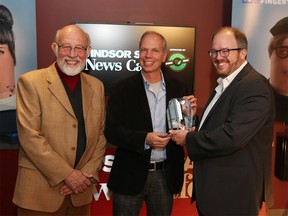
[[148, 53], [72, 53]]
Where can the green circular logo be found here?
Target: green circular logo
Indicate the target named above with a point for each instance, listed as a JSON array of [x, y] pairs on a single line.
[[177, 62]]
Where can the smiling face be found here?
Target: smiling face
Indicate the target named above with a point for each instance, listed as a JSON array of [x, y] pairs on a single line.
[[152, 53], [7, 81], [71, 62], [225, 66], [279, 71]]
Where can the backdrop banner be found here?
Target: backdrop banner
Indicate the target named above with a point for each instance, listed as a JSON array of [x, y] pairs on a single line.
[[24, 27], [256, 18]]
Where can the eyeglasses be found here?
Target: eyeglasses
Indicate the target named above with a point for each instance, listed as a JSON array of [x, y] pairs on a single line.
[[67, 49], [282, 51], [223, 52]]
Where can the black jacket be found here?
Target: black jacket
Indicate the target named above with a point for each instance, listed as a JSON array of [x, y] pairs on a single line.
[[127, 124]]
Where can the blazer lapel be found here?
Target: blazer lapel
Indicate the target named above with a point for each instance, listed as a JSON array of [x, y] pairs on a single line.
[[57, 89], [87, 95], [141, 96], [239, 76]]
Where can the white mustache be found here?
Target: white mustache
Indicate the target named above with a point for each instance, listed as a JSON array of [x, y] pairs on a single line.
[[72, 59]]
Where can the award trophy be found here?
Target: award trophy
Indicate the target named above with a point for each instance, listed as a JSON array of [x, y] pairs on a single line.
[[179, 114]]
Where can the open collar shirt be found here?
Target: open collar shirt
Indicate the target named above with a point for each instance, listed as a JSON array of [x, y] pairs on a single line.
[[157, 105], [222, 85]]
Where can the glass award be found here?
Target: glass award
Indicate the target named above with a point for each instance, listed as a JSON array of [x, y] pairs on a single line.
[[179, 114]]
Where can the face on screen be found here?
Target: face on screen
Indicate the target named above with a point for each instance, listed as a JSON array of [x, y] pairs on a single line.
[[279, 68], [7, 84]]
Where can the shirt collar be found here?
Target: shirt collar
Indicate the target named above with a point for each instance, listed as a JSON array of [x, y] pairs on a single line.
[[147, 83]]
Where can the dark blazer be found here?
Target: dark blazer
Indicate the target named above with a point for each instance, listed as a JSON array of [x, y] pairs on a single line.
[[232, 151], [128, 121]]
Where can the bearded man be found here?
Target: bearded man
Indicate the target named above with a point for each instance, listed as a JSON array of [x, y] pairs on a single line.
[[60, 121]]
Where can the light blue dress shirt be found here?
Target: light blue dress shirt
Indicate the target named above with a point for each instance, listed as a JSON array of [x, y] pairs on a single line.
[[156, 95]]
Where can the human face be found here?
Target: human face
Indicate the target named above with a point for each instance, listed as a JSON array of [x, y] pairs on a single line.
[[279, 72], [227, 65], [7, 81], [71, 62], [152, 54]]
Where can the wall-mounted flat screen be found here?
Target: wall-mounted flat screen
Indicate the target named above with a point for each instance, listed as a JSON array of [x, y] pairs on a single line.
[[115, 51]]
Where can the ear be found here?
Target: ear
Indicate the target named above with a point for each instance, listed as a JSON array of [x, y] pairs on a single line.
[[54, 47], [243, 54], [88, 50], [164, 56]]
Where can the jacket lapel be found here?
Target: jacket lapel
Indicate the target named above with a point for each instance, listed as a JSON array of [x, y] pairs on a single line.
[[239, 77], [141, 97], [57, 89], [87, 94]]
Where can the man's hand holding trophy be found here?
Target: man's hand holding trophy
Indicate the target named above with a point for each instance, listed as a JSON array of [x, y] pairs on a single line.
[[181, 117]]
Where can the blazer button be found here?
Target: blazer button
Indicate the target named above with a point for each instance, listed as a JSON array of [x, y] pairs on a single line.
[[73, 148], [74, 126]]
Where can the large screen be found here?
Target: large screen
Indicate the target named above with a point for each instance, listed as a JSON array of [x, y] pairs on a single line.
[[115, 51]]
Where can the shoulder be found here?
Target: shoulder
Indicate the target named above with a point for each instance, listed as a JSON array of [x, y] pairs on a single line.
[[249, 76], [254, 79], [252, 84], [90, 78], [129, 82], [35, 74], [132, 79]]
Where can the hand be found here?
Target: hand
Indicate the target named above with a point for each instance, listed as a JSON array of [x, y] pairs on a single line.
[[179, 136], [76, 182], [157, 140], [193, 102], [65, 190]]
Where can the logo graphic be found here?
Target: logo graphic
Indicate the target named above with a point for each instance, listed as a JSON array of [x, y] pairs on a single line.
[[251, 1], [177, 62]]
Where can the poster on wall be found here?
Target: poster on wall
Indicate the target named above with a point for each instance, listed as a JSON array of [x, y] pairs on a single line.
[[18, 17], [265, 24], [17, 56]]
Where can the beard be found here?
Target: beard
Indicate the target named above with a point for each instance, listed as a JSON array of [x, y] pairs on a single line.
[[68, 69], [225, 67]]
